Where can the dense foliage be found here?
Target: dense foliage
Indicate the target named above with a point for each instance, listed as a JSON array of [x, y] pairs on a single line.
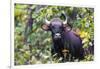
[[32, 45]]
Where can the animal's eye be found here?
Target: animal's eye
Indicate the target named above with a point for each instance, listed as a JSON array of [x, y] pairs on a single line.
[[53, 27], [61, 27]]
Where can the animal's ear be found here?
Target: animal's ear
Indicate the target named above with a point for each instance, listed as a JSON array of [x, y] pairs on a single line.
[[45, 27], [67, 27]]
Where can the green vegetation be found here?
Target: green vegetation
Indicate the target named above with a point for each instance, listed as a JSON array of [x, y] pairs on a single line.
[[32, 45]]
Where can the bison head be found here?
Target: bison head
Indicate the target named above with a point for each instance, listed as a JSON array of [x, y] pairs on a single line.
[[56, 26]]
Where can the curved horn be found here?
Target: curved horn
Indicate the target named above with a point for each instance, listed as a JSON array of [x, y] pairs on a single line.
[[47, 22], [65, 22]]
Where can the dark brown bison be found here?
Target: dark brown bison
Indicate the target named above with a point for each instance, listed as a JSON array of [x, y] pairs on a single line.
[[66, 43]]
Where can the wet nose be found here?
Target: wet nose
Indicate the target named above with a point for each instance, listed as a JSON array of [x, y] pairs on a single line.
[[57, 34]]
